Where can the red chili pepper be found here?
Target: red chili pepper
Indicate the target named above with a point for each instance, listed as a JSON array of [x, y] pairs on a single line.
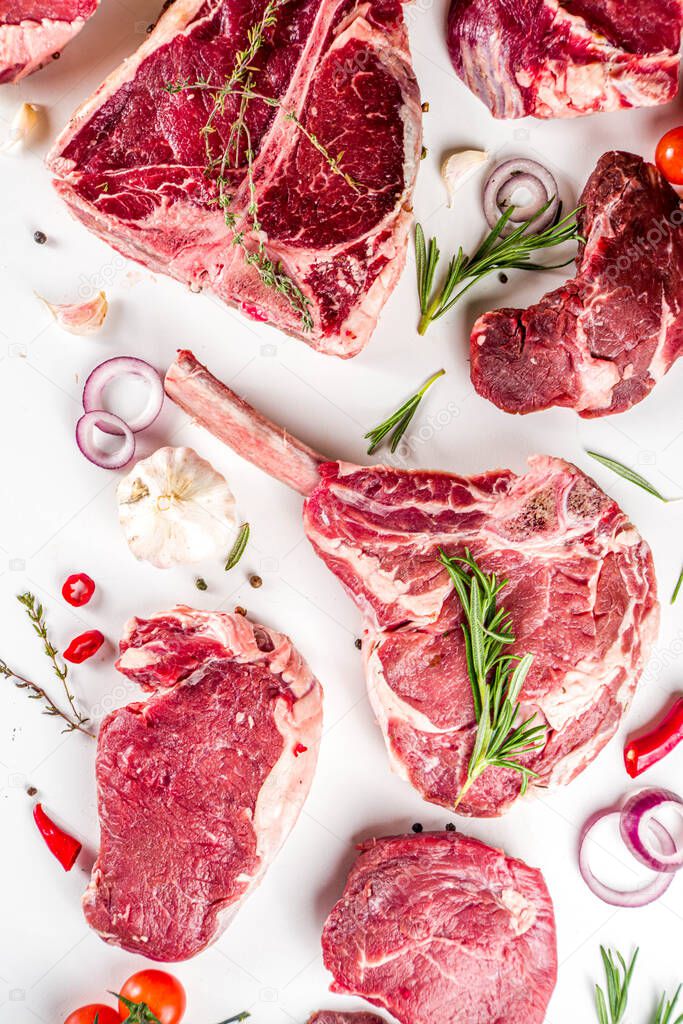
[[78, 589], [650, 747], [84, 646], [64, 847]]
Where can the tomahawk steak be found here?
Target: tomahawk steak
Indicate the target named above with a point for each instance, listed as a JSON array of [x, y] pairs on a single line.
[[34, 31], [563, 58], [581, 593], [600, 342], [199, 786], [440, 929], [295, 209]]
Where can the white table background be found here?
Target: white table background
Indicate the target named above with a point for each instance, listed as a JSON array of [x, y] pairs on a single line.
[[58, 515]]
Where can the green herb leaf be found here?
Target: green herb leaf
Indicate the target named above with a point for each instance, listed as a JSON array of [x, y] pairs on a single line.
[[629, 474], [496, 678], [399, 421], [495, 253], [611, 1008], [666, 1008], [238, 547], [677, 588]]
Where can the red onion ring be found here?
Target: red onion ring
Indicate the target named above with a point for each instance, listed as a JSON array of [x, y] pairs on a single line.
[[85, 439], [620, 897], [520, 173], [108, 371], [638, 818]]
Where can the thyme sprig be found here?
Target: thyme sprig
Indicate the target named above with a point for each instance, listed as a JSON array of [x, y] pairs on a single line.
[[626, 473], [240, 83], [238, 547], [74, 722], [400, 420], [495, 253], [496, 678], [611, 1007]]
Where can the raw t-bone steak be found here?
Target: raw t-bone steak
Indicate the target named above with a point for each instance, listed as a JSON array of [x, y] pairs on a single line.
[[581, 593], [600, 343], [562, 58], [199, 785], [441, 929], [33, 31], [320, 243]]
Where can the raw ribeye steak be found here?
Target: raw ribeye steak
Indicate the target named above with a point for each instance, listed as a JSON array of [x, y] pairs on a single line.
[[600, 343], [33, 31], [440, 929], [310, 234], [199, 785], [581, 593], [563, 58]]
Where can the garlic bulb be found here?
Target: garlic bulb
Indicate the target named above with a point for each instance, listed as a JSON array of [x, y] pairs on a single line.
[[458, 166], [176, 509], [23, 123], [81, 317]]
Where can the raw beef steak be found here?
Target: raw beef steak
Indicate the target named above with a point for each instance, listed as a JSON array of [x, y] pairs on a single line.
[[310, 241], [338, 1017], [581, 593], [601, 342], [199, 786], [563, 58], [33, 31], [440, 929]]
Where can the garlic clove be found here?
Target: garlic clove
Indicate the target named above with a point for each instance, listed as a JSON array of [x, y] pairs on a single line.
[[23, 123], [176, 509], [457, 167], [82, 317]]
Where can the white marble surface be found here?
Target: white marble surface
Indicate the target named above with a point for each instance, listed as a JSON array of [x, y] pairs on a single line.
[[57, 515]]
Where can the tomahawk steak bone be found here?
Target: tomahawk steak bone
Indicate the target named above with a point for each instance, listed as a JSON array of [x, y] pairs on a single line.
[[601, 342], [132, 163], [440, 929], [33, 31], [199, 786], [563, 58], [582, 593]]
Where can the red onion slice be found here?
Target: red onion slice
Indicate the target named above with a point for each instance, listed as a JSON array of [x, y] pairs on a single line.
[[87, 443], [638, 824], [619, 897], [501, 185], [111, 369]]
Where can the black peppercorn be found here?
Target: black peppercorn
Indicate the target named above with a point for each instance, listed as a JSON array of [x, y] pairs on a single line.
[[417, 827], [39, 237], [201, 584]]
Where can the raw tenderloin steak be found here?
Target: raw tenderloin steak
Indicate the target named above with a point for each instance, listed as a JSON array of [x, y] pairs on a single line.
[[440, 929], [132, 163], [563, 58], [581, 593], [33, 31], [198, 786], [601, 342]]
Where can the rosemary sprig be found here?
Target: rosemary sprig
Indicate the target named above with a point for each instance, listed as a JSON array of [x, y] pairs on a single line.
[[495, 253], [618, 974], [238, 547], [630, 474], [399, 421], [664, 1013], [36, 615], [677, 588], [237, 1018], [496, 678]]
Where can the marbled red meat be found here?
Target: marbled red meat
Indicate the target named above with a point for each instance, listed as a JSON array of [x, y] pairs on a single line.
[[33, 31], [563, 58], [601, 342], [132, 164], [581, 593], [199, 785], [441, 929]]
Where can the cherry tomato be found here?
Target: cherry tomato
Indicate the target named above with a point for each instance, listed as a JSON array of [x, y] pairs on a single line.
[[162, 993], [669, 156], [87, 1015]]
